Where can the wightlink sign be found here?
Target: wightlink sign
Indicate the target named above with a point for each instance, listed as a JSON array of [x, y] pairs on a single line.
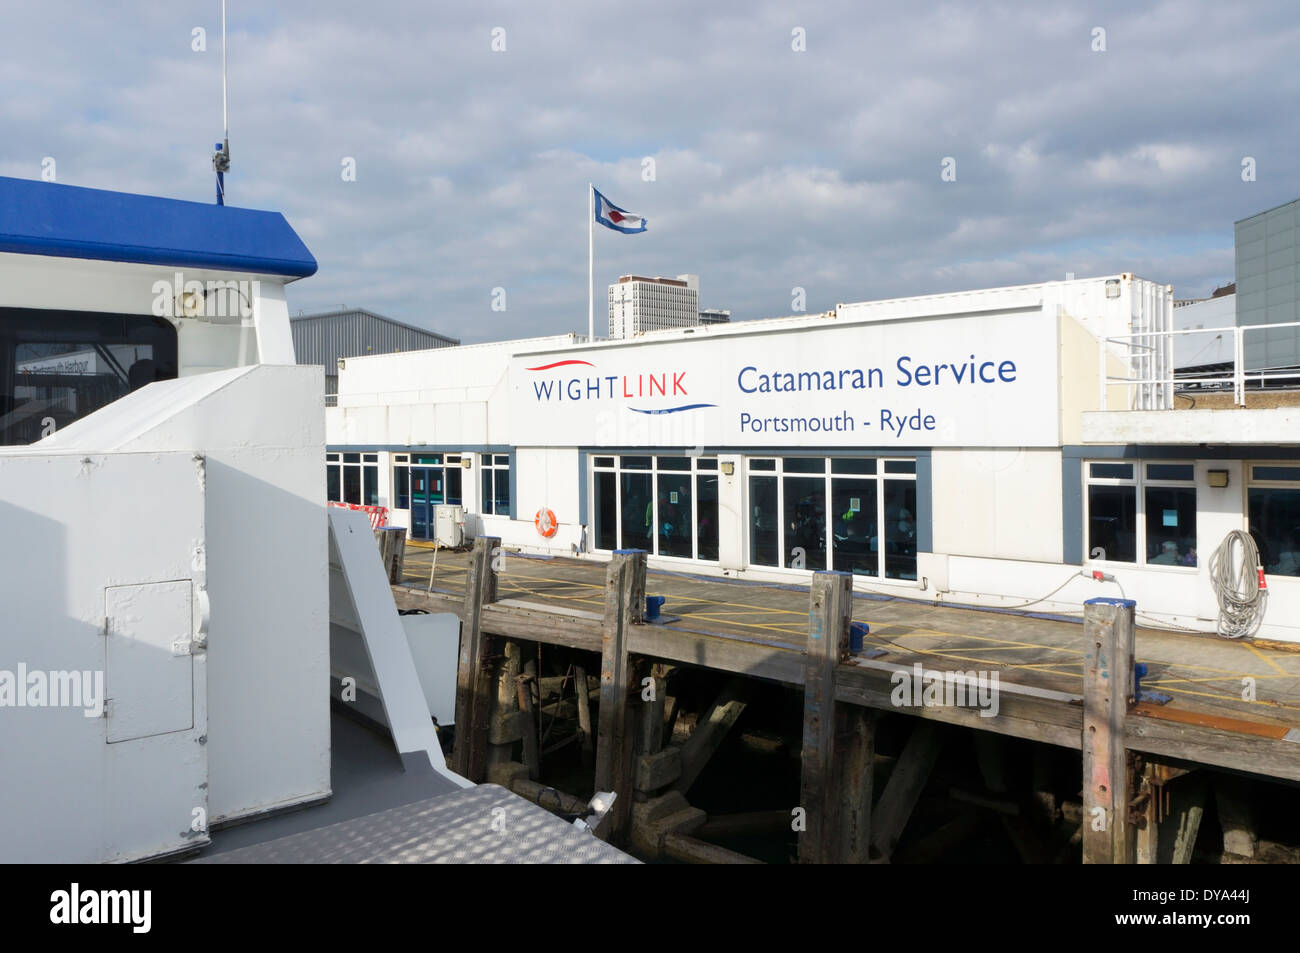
[[974, 381]]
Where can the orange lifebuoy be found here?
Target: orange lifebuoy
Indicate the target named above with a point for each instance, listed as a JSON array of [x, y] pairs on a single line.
[[546, 522]]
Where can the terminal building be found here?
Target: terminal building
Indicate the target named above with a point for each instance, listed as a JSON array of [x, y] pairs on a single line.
[[1011, 448]]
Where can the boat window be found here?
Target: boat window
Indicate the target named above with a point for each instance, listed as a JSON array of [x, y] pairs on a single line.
[[59, 366]]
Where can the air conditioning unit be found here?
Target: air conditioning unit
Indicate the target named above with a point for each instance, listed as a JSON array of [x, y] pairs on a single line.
[[449, 525]]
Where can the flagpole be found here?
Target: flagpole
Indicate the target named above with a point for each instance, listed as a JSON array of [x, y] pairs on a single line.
[[591, 263]]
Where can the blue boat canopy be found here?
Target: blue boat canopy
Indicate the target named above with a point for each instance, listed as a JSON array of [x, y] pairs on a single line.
[[44, 218]]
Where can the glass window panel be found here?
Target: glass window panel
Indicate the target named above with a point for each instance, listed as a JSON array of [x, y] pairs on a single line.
[[706, 516], [486, 490], [485, 459], [402, 487], [854, 533], [900, 529], [762, 464], [434, 459], [637, 509], [1171, 525], [635, 463], [403, 458], [60, 366], [1112, 523], [900, 466], [332, 484], [606, 511], [1275, 525], [804, 465], [453, 458], [853, 465], [453, 488], [502, 491], [371, 486], [676, 523], [1111, 471], [673, 463], [1276, 473], [1170, 471], [605, 461], [351, 458], [502, 459], [764, 522], [352, 485], [331, 456], [370, 458], [706, 463], [805, 521]]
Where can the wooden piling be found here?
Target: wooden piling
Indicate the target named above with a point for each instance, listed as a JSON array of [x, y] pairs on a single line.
[[528, 715], [582, 698], [473, 671], [1107, 696], [615, 733], [830, 608]]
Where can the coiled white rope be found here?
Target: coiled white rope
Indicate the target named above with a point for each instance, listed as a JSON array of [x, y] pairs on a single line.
[[1234, 573]]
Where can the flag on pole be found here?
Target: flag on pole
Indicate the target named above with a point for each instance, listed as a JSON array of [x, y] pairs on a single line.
[[620, 220]]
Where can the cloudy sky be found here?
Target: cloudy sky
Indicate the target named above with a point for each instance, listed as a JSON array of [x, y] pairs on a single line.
[[773, 167]]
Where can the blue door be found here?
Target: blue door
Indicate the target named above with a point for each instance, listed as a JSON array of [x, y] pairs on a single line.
[[426, 493]]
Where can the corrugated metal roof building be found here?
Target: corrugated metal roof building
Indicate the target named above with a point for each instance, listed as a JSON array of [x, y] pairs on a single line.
[[352, 332]]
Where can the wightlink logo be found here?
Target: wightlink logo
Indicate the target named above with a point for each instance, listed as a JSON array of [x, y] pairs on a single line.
[[56, 689], [584, 385], [922, 688], [131, 907]]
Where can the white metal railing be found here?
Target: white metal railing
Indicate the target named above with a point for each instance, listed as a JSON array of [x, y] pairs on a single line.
[[1156, 392]]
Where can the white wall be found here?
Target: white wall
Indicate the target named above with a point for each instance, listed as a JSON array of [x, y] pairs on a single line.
[[1003, 503], [81, 524], [269, 739]]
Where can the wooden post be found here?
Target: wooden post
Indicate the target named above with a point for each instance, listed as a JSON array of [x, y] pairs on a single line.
[[830, 606], [524, 692], [392, 551], [582, 699], [504, 725], [906, 783], [1146, 835], [473, 676], [624, 578], [711, 730], [855, 770], [1107, 695]]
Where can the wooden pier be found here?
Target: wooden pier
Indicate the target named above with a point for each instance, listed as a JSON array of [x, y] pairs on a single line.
[[1232, 706]]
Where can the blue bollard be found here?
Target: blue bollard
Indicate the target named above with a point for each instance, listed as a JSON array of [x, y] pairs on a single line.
[[652, 607], [857, 631]]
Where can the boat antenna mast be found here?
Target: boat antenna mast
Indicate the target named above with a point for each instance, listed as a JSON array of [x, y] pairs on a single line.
[[221, 157]]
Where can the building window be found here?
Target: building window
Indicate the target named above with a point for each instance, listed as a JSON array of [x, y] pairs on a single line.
[[1273, 508], [1141, 513], [495, 483], [352, 478], [868, 528], [333, 486], [666, 505]]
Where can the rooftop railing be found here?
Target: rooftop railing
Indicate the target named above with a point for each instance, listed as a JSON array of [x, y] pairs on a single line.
[[1151, 380]]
